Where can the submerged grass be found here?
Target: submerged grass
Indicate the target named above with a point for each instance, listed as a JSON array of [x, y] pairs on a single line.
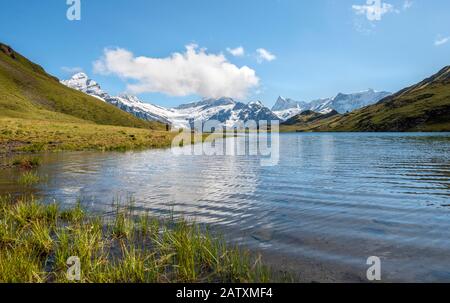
[[28, 178], [36, 241]]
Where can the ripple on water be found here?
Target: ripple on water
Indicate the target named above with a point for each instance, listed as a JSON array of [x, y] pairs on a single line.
[[338, 197]]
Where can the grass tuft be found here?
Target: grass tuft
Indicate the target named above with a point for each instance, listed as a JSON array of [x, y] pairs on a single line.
[[27, 163], [36, 240], [28, 178]]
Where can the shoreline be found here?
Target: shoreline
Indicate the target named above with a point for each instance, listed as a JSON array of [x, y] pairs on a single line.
[[37, 240], [308, 269]]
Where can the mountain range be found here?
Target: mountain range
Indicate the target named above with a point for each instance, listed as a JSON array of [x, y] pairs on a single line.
[[227, 111], [38, 113], [422, 107], [127, 103], [27, 92], [342, 103]]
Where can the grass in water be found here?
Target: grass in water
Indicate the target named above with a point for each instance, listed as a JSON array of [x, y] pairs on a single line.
[[36, 241], [27, 163], [28, 178]]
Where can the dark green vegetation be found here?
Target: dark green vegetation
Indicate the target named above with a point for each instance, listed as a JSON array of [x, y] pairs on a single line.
[[421, 107], [308, 120], [38, 113], [36, 241]]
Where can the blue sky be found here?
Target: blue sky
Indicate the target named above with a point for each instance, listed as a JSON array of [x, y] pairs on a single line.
[[320, 47]]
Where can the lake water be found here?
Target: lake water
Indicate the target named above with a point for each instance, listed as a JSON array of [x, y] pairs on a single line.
[[332, 201]]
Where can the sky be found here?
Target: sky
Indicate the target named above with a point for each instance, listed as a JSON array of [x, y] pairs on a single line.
[[170, 52]]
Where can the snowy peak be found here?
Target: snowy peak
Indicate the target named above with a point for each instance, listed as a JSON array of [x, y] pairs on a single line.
[[128, 103], [284, 104], [227, 111], [286, 108], [86, 85], [342, 103], [82, 82], [80, 76], [131, 98], [256, 104]]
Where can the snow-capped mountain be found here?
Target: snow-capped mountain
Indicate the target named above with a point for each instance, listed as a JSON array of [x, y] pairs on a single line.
[[225, 110], [130, 104], [342, 103], [145, 111], [286, 103], [286, 108], [88, 86]]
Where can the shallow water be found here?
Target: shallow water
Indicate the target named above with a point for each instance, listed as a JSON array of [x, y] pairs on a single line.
[[334, 199]]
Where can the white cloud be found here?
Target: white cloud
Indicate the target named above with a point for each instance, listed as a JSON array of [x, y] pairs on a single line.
[[264, 55], [441, 41], [237, 52], [71, 70], [374, 9], [193, 72], [407, 4]]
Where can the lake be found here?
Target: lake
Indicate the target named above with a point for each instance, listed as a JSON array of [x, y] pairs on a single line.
[[332, 201]]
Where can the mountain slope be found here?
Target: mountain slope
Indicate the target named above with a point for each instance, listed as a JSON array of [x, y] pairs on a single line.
[[129, 104], [421, 107], [309, 121], [28, 92]]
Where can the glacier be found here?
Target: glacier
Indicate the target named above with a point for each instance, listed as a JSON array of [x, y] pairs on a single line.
[[227, 111]]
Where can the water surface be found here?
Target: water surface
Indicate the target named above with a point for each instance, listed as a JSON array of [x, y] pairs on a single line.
[[331, 202]]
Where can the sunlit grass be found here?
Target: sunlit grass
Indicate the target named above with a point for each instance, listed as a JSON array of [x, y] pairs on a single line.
[[32, 136], [36, 240], [28, 178]]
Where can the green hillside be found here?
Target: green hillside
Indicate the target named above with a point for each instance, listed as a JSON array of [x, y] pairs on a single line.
[[421, 107], [28, 92], [37, 113], [309, 121]]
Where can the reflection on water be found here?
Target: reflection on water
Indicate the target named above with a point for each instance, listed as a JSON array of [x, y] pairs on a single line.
[[337, 198]]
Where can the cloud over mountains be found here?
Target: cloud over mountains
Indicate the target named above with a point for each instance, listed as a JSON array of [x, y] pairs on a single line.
[[192, 72]]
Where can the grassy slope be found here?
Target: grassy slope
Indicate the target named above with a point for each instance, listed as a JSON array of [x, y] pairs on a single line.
[[309, 121], [421, 107], [27, 91], [38, 113]]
